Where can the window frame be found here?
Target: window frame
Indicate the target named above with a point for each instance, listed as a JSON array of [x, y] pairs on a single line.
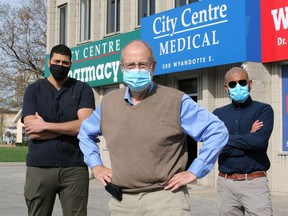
[[150, 9], [177, 3], [113, 16], [63, 24], [85, 20]]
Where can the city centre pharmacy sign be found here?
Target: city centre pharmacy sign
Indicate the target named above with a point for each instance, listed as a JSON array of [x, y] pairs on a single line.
[[98, 63], [204, 34], [274, 24]]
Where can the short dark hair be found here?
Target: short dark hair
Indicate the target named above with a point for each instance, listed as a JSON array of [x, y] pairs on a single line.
[[62, 50]]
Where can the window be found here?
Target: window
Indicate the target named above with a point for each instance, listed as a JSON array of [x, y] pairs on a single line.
[[145, 8], [62, 27], [113, 16], [285, 106], [179, 3], [25, 137], [189, 86], [85, 19]]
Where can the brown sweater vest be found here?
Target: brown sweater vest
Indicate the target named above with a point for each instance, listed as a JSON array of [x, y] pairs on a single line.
[[146, 143]]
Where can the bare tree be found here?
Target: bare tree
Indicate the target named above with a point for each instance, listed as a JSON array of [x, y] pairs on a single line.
[[22, 49]]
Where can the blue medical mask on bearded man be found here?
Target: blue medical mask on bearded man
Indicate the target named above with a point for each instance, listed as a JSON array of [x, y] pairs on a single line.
[[137, 79], [239, 93]]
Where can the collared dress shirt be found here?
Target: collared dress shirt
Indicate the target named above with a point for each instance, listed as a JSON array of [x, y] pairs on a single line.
[[245, 151], [196, 121]]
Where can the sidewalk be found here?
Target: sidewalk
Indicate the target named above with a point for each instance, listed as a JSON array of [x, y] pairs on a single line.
[[203, 200]]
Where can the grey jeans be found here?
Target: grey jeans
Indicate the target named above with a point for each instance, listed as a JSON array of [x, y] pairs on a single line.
[[248, 197]]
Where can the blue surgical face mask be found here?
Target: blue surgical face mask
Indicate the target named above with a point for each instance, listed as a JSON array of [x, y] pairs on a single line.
[[137, 79], [239, 93]]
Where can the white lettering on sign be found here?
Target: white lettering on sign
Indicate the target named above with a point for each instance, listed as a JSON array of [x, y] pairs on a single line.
[[281, 41], [105, 70], [96, 50], [164, 26], [188, 18], [188, 21], [280, 18], [100, 49], [196, 41], [187, 62], [99, 72]]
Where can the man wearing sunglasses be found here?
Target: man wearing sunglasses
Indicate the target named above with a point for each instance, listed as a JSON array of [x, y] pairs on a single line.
[[242, 183]]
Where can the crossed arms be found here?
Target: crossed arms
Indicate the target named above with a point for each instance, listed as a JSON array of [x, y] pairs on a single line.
[[37, 128]]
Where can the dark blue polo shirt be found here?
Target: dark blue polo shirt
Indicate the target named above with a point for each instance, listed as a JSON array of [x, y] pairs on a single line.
[[56, 106], [245, 152]]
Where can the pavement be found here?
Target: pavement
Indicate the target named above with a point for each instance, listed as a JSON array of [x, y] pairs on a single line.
[[12, 179]]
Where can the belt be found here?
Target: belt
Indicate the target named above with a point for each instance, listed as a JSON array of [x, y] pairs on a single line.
[[242, 177]]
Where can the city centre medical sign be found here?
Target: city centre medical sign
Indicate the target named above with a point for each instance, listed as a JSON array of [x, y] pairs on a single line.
[[98, 63], [274, 24], [204, 34]]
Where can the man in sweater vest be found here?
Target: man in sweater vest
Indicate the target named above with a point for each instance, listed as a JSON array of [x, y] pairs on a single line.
[[145, 126]]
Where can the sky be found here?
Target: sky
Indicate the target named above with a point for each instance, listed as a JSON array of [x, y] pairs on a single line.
[[11, 2]]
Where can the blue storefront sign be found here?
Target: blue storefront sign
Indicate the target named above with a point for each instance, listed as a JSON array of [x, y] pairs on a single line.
[[285, 106], [204, 34]]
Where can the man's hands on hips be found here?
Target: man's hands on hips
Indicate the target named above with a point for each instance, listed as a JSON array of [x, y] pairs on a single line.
[[180, 179], [102, 174]]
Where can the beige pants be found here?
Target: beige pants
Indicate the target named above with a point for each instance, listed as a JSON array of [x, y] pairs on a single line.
[[155, 203], [248, 197]]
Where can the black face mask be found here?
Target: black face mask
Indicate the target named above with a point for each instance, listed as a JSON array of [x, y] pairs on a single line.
[[59, 72]]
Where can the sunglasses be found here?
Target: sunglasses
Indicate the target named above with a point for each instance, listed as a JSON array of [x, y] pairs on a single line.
[[233, 84]]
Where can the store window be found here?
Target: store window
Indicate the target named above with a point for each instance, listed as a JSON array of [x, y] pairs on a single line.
[[85, 20], [189, 86], [62, 27], [179, 3], [25, 137], [113, 16], [145, 8]]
